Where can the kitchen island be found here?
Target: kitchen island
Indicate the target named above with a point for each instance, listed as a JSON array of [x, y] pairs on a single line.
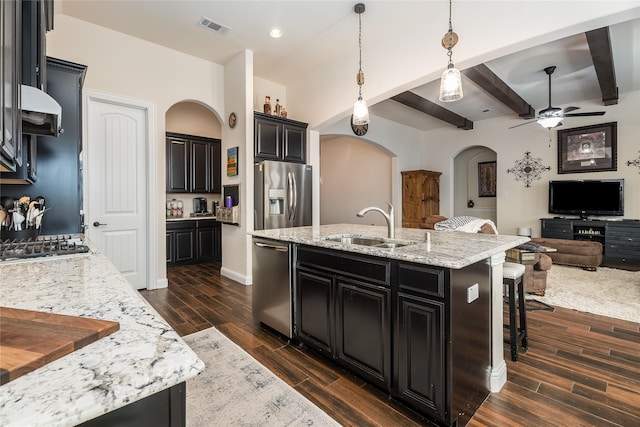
[[419, 315], [141, 366]]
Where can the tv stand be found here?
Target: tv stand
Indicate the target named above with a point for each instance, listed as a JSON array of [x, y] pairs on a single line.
[[620, 239]]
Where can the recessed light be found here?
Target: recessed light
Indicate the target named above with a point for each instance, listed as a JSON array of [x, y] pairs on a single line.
[[275, 33]]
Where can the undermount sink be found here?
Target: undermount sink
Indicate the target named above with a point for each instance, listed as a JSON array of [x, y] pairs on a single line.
[[368, 241]]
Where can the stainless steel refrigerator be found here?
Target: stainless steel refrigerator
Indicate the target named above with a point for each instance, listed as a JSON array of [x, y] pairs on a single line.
[[282, 195]]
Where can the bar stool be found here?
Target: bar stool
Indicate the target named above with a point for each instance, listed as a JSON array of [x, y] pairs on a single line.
[[512, 277]]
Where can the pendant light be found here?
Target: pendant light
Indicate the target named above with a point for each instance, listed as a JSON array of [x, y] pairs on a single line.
[[451, 81], [360, 110]]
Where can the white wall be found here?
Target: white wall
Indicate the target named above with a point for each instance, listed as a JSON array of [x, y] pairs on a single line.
[[466, 184]]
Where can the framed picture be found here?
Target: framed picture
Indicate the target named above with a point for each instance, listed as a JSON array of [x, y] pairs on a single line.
[[588, 149], [232, 161], [487, 179]]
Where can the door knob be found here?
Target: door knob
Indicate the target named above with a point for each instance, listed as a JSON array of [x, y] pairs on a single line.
[[98, 224]]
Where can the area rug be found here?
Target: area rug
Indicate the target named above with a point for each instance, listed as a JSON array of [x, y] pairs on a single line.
[[607, 291], [236, 390]]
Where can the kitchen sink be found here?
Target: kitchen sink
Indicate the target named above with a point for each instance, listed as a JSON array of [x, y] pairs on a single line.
[[376, 242]]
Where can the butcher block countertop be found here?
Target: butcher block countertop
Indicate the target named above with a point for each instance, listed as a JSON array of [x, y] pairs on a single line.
[[31, 339], [143, 357]]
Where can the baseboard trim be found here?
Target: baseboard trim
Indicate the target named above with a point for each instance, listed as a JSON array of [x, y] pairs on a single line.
[[498, 377], [234, 275], [160, 283]]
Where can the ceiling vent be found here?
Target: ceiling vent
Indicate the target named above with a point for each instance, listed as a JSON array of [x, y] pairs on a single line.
[[213, 26]]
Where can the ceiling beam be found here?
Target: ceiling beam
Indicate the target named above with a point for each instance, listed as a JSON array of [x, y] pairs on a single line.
[[494, 86], [423, 105], [602, 56]]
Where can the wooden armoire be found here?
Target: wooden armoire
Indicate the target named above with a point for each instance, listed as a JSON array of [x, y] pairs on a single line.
[[420, 196]]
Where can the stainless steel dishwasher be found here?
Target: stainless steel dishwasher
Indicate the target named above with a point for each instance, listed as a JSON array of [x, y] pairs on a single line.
[[272, 287]]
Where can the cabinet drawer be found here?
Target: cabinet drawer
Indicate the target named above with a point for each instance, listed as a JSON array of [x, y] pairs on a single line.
[[360, 266], [180, 225], [425, 280]]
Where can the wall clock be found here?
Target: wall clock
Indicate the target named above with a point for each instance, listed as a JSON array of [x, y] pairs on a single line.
[[232, 120], [359, 130]]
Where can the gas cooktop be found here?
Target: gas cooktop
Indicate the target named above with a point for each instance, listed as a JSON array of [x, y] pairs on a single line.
[[43, 246]]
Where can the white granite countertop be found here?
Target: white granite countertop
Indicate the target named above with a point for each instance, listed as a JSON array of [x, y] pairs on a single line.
[[144, 357], [450, 249], [190, 218]]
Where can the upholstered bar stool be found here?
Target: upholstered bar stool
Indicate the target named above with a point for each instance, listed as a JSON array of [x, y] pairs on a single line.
[[512, 277]]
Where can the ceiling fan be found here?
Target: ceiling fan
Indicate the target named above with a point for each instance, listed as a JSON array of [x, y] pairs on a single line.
[[552, 117]]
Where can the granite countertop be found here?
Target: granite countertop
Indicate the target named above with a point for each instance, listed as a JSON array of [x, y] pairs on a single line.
[[191, 218], [144, 357], [450, 249]]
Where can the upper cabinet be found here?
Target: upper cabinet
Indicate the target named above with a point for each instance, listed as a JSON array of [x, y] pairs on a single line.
[[10, 137], [279, 139], [193, 164], [23, 25]]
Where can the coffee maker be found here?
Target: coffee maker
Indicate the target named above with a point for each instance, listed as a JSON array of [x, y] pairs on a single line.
[[200, 205]]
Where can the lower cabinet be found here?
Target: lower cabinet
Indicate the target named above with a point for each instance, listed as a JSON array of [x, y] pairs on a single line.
[[410, 329], [344, 309], [192, 242], [420, 347]]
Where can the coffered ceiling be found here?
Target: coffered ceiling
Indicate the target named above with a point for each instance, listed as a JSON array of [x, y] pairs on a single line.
[[315, 33]]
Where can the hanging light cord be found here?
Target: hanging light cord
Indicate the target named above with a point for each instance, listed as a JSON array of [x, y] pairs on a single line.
[[449, 52], [360, 82]]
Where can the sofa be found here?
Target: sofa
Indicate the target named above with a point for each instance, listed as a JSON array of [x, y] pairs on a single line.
[[535, 271], [579, 253]]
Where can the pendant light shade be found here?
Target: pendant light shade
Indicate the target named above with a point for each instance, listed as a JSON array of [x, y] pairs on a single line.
[[450, 84], [451, 81], [360, 114]]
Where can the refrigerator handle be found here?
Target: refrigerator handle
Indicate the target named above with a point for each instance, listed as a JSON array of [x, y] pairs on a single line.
[[293, 197]]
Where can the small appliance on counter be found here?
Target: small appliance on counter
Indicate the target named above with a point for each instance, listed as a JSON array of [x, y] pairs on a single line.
[[200, 206]]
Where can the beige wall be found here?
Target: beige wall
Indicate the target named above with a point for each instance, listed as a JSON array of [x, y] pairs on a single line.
[[354, 174], [161, 76], [192, 118], [466, 184]]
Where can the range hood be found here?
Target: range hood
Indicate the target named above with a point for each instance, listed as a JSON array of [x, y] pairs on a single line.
[[41, 114]]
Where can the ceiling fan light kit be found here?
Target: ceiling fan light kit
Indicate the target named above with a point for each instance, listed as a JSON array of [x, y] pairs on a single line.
[[360, 114], [451, 81], [552, 117]]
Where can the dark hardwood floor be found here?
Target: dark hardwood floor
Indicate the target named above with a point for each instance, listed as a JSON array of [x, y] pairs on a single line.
[[580, 369]]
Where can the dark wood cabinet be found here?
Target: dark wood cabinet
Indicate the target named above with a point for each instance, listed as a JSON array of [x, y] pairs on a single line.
[[420, 346], [413, 330], [343, 309], [314, 309], [10, 130], [209, 241], [193, 241], [620, 239], [279, 139], [363, 335], [193, 164], [37, 19]]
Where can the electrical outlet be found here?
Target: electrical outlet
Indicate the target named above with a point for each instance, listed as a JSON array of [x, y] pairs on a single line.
[[472, 293]]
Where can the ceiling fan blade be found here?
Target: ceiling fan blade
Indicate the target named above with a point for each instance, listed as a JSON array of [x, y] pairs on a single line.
[[569, 109], [594, 113], [522, 124]]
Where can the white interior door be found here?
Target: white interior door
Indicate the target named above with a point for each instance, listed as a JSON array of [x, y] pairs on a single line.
[[115, 179]]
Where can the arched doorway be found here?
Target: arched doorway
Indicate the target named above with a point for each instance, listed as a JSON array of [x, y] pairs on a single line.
[[475, 183]]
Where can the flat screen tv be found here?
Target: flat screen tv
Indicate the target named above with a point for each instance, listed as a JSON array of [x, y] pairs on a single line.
[[603, 197]]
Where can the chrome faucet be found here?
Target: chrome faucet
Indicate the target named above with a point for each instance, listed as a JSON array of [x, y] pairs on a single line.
[[388, 217]]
